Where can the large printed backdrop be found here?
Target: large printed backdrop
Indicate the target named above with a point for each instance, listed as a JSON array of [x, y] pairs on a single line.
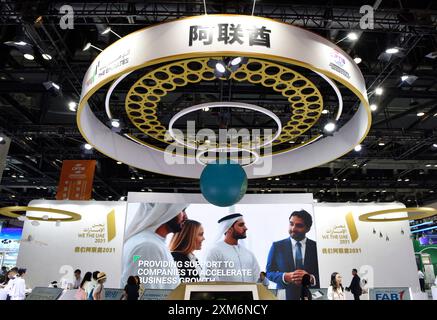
[[381, 251], [52, 253]]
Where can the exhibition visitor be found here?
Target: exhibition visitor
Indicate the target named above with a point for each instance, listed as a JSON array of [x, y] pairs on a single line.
[[293, 257], [182, 247], [11, 277], [145, 238], [228, 260], [18, 289], [90, 288], [335, 290], [140, 286], [83, 290], [305, 293], [99, 290], [131, 289], [421, 280], [355, 287], [77, 279], [263, 279]]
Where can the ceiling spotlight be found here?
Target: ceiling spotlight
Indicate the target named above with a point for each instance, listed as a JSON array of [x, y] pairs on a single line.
[[132, 178], [108, 29], [46, 56], [381, 144], [235, 61], [352, 36], [21, 43], [420, 114], [434, 145], [206, 109], [407, 180], [51, 85], [335, 179], [269, 179], [87, 146], [379, 91], [277, 179], [329, 127], [393, 50], [373, 107], [399, 180], [404, 77], [119, 162], [122, 198], [324, 111], [29, 56], [89, 45], [358, 148], [355, 165], [115, 123], [428, 165], [220, 67], [357, 60], [141, 178], [2, 139], [72, 106]]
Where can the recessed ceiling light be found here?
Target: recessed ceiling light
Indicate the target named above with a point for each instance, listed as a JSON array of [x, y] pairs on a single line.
[[399, 179], [428, 165], [434, 145], [132, 178], [21, 78], [205, 109], [420, 114], [141, 178], [29, 56], [277, 179], [392, 50], [352, 36], [435, 166], [269, 178], [324, 111], [115, 123], [87, 146], [404, 77], [407, 180], [358, 148], [72, 106], [373, 107], [220, 67], [357, 60], [354, 165], [122, 198], [119, 162], [379, 91], [46, 56], [330, 126], [335, 179]]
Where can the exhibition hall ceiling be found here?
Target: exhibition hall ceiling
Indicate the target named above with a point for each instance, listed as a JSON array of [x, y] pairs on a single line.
[[398, 158]]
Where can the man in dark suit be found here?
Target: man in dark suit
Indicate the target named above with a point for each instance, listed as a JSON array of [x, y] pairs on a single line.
[[355, 287], [290, 259]]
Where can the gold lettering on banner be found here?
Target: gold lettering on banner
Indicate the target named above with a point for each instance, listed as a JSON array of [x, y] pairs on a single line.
[[352, 227], [110, 225]]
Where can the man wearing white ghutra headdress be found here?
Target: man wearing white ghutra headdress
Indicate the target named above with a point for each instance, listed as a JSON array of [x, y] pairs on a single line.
[[230, 259], [145, 237]]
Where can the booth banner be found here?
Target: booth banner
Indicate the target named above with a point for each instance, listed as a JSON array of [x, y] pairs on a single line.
[[76, 181], [382, 252], [399, 293], [266, 219], [52, 251]]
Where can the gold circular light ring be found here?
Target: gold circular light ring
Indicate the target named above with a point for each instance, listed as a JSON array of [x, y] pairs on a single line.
[[10, 212], [424, 212], [167, 77]]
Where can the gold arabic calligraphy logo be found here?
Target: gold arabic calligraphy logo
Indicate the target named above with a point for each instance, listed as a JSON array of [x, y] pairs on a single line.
[[340, 232]]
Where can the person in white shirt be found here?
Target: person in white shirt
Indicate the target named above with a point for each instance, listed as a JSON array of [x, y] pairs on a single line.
[[335, 290], [12, 275], [18, 290], [99, 290], [145, 238], [228, 260]]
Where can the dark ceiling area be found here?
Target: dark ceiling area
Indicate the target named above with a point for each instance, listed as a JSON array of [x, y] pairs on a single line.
[[398, 159]]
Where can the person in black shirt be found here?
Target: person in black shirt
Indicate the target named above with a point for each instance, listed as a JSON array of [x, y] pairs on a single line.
[[355, 287], [182, 246], [131, 289]]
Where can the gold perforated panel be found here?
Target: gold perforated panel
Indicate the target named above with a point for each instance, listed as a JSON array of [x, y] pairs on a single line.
[[306, 103]]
